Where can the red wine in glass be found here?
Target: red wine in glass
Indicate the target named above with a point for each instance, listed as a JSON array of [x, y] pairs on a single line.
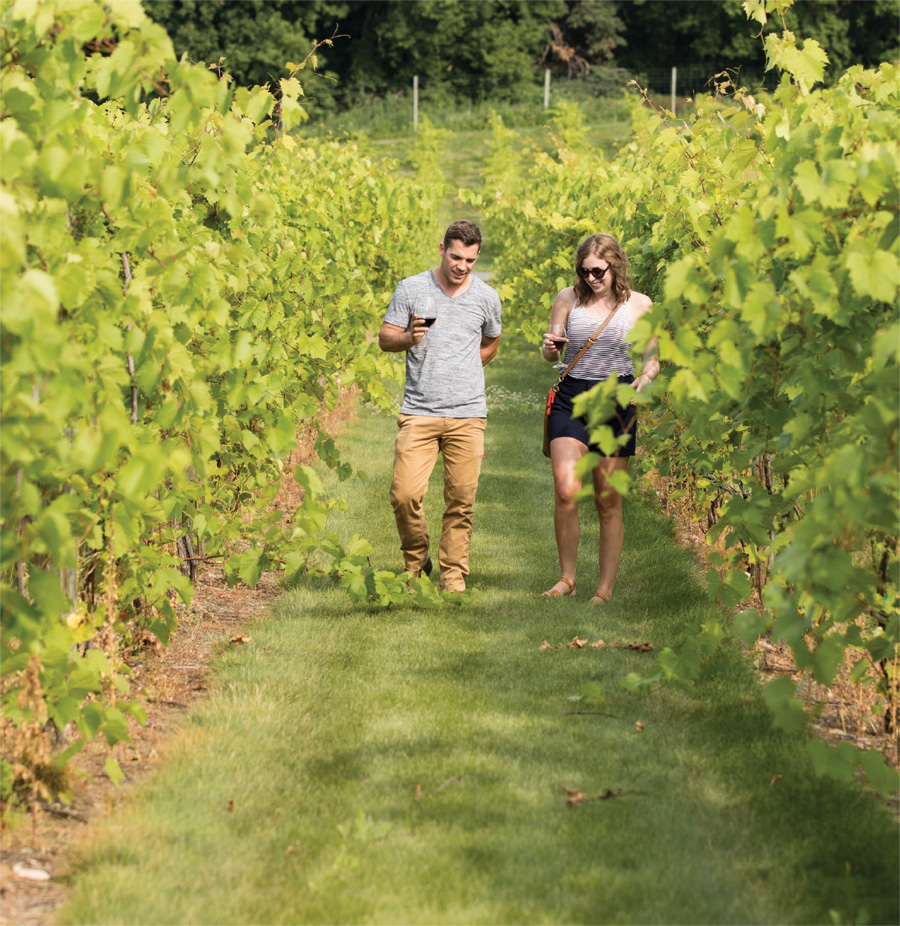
[[557, 336], [426, 310]]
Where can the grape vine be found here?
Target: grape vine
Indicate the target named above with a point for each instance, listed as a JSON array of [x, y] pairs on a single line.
[[766, 231], [184, 282]]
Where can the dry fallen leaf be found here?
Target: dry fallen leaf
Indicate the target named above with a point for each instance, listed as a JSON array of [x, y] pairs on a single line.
[[639, 726], [30, 874], [576, 643], [775, 780], [573, 797], [230, 805], [240, 638], [418, 791], [289, 851]]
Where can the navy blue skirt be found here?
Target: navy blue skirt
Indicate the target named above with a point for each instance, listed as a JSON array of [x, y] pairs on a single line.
[[563, 424]]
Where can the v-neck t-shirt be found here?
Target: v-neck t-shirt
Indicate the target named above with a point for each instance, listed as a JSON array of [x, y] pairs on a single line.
[[444, 374]]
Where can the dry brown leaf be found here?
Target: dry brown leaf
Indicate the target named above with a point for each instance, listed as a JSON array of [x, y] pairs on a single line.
[[289, 851], [150, 640], [639, 726], [775, 780], [418, 791], [576, 643], [449, 781], [30, 874], [230, 806], [573, 797]]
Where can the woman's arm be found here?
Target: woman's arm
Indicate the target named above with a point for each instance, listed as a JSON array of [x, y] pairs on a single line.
[[650, 367], [640, 305], [559, 315]]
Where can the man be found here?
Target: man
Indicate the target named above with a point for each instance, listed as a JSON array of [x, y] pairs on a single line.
[[444, 409]]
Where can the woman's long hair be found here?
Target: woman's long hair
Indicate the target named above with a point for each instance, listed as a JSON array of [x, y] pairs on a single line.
[[606, 248]]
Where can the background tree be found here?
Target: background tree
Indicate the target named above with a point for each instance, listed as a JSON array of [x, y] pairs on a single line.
[[703, 38], [462, 50], [497, 49], [256, 37], [593, 28]]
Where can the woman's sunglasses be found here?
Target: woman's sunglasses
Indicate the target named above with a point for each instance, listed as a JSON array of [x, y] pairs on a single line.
[[595, 272]]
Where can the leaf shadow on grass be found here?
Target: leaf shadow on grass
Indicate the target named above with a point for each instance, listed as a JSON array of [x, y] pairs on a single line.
[[712, 751], [835, 841]]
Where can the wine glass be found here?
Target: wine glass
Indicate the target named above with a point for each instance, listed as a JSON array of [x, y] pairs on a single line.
[[427, 311], [558, 336]]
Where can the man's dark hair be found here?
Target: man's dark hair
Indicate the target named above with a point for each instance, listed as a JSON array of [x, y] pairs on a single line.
[[463, 231]]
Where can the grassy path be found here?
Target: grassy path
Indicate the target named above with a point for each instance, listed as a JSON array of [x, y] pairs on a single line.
[[358, 766]]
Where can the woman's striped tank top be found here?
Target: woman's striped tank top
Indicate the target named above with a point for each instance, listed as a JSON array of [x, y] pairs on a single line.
[[610, 352]]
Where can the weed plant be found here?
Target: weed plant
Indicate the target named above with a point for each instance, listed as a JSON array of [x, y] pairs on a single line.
[[353, 765]]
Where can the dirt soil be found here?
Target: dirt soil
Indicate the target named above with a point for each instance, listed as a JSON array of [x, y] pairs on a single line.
[[35, 853], [841, 712], [168, 680]]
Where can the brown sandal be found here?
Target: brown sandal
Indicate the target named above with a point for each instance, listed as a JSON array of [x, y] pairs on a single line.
[[597, 598], [553, 593]]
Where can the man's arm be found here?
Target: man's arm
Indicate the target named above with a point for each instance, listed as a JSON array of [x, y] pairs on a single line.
[[393, 338], [488, 349]]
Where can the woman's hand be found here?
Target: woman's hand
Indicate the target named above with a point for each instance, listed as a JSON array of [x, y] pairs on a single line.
[[641, 382], [550, 341], [554, 341], [650, 371]]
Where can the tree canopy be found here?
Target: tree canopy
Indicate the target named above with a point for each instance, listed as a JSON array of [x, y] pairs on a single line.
[[497, 49]]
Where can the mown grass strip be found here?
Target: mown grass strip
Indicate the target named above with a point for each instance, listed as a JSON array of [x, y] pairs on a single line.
[[363, 766]]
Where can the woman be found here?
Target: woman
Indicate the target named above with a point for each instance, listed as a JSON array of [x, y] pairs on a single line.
[[601, 293]]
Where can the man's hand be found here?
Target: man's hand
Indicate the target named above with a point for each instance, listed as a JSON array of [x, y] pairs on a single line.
[[393, 338], [419, 328]]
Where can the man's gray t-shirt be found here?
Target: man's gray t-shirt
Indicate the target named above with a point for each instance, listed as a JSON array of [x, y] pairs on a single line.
[[444, 375]]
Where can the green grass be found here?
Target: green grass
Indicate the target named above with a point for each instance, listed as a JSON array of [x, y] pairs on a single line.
[[391, 117], [322, 728]]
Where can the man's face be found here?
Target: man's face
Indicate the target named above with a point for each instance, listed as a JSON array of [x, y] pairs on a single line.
[[457, 259]]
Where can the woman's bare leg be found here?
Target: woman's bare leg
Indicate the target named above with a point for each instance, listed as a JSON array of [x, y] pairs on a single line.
[[565, 452], [612, 530]]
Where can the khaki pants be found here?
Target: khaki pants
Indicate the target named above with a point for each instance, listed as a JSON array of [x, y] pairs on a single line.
[[461, 442]]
